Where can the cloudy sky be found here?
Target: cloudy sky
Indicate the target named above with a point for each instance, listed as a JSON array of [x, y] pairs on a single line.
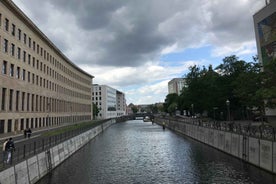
[[137, 46]]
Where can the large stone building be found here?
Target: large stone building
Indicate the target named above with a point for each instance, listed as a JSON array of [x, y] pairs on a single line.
[[109, 101], [39, 85], [176, 85], [265, 31]]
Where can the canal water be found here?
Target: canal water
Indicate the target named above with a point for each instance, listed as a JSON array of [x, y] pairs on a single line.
[[141, 153]]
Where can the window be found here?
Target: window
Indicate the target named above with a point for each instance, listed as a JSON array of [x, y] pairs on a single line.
[[29, 59], [12, 49], [23, 101], [0, 19], [34, 45], [25, 38], [37, 48], [23, 74], [28, 101], [11, 100], [12, 70], [4, 68], [34, 62], [29, 77], [18, 53], [17, 101], [19, 34], [18, 72], [7, 24], [33, 78], [30, 42], [6, 42], [3, 103], [24, 56], [13, 30]]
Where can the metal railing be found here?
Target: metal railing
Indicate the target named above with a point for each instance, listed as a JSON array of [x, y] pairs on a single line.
[[261, 130], [34, 146]]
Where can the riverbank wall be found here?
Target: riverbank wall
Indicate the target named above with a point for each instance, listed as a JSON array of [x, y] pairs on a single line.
[[33, 169], [254, 150]]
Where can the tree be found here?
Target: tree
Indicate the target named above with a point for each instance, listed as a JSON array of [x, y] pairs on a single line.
[[134, 109], [170, 99], [96, 110]]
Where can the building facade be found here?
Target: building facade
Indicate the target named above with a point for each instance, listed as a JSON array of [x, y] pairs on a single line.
[[176, 85], [109, 101], [39, 85], [265, 32]]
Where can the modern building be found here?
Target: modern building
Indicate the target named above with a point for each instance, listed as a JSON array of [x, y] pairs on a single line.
[[265, 31], [121, 104], [176, 85], [110, 101], [39, 85]]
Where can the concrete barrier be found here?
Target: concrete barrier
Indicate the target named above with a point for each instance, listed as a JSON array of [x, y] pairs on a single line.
[[256, 151], [34, 168]]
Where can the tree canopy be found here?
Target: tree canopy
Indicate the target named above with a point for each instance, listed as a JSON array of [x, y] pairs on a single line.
[[244, 84]]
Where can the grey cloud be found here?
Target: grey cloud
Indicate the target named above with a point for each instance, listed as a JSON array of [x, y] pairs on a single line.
[[126, 33]]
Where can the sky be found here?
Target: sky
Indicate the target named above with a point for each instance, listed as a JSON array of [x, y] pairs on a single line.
[[138, 46]]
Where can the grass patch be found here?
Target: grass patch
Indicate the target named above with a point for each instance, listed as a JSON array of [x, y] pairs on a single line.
[[83, 125]]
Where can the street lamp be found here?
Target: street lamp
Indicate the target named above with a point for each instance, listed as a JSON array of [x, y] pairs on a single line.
[[228, 108], [48, 117], [192, 110]]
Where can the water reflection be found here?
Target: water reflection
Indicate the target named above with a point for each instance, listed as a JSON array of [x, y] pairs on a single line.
[[139, 152]]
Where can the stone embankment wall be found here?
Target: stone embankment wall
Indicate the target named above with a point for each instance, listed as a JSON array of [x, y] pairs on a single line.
[[34, 168], [256, 151]]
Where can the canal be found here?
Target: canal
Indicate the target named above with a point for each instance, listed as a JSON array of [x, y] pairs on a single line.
[[139, 152]]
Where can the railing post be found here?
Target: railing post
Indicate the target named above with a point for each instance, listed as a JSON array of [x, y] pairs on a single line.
[[24, 151]]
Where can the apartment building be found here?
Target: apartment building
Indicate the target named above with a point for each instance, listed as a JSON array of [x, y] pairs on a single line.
[[176, 85], [110, 101], [265, 32], [39, 85]]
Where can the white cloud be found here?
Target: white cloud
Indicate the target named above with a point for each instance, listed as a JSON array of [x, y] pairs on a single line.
[[120, 42]]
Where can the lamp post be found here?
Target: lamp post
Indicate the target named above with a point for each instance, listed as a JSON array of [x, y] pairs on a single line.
[[48, 117], [192, 110], [228, 109]]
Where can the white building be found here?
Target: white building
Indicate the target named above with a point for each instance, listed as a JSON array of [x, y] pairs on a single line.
[[110, 101], [176, 85]]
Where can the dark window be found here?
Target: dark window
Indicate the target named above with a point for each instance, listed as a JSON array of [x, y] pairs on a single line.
[[4, 68], [13, 30], [11, 100], [19, 34], [7, 24], [12, 70], [3, 103], [6, 43]]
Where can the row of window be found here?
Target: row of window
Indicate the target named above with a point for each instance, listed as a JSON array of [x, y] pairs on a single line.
[[20, 73], [35, 63], [32, 45], [15, 100], [23, 123]]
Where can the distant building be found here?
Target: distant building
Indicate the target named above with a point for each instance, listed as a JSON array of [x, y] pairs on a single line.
[[265, 31], [39, 85], [121, 103], [176, 85], [110, 101]]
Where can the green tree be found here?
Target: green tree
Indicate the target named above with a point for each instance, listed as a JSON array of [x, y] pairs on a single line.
[[134, 109], [170, 99], [96, 110]]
